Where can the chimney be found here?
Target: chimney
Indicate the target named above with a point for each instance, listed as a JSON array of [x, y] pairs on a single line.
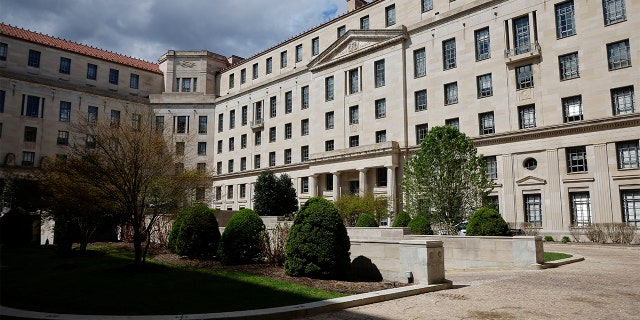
[[355, 4]]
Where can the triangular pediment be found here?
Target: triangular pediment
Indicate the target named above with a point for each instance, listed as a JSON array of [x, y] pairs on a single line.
[[356, 43], [531, 181]]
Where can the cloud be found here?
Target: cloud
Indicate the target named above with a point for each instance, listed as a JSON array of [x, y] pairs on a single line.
[[146, 29]]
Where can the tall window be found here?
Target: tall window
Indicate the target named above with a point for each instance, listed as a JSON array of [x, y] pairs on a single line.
[[565, 19], [92, 71], [287, 130], [379, 73], [232, 119], [273, 110], [328, 88], [304, 153], [256, 161], [328, 120], [220, 122], [619, 55], [527, 116], [364, 23], [287, 156], [114, 74], [181, 124], [580, 208], [65, 111], [421, 100], [427, 5], [243, 163], [269, 65], [451, 93], [533, 209], [487, 125], [232, 144], [244, 115], [288, 102], [243, 141], [524, 77], [381, 108], [299, 53], [28, 158], [628, 156], [134, 81], [304, 185], [136, 121], [390, 15], [3, 51], [354, 81], [631, 207], [186, 85], [304, 127], [257, 138], [243, 76], [231, 80], [492, 167], [449, 54], [283, 59], [483, 48], [92, 114], [202, 124], [34, 59], [159, 123], [622, 100], [485, 86], [354, 141], [255, 71], [230, 192], [421, 132], [614, 11], [272, 134], [381, 177], [115, 118], [30, 134], [329, 145], [572, 108], [2, 95], [577, 159], [328, 179], [65, 65], [63, 138], [341, 31], [219, 149], [419, 63], [272, 159], [569, 66], [315, 46], [522, 35], [202, 148], [381, 136], [353, 115], [33, 106], [305, 97]]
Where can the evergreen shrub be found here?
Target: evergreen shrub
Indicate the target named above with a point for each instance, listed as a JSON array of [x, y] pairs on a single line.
[[195, 232], [241, 241], [487, 222], [402, 220], [420, 224], [366, 221]]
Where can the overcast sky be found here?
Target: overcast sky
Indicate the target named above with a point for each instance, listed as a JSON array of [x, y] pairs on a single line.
[[147, 29]]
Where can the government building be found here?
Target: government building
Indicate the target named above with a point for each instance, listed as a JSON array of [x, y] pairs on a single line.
[[545, 89]]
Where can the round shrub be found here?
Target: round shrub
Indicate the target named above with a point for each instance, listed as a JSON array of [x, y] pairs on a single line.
[[366, 221], [420, 224], [318, 244], [194, 232], [402, 220], [241, 241], [487, 222]]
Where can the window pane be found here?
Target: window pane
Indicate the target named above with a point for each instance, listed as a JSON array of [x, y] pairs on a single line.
[[614, 11], [628, 154], [576, 159], [569, 66], [449, 54], [483, 44], [565, 19], [533, 209], [572, 107], [619, 55]]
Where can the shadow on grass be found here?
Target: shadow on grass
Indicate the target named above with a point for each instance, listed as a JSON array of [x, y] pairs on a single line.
[[105, 282]]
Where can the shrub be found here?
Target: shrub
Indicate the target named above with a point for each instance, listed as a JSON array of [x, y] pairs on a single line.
[[241, 240], [549, 238], [420, 224], [576, 233], [318, 244], [565, 239], [487, 222], [15, 227], [366, 221], [195, 232], [352, 206], [530, 229], [273, 243], [402, 220]]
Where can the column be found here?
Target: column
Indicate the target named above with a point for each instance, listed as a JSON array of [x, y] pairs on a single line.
[[362, 181], [555, 220], [336, 185], [391, 187], [510, 211], [532, 29], [601, 205], [313, 188]]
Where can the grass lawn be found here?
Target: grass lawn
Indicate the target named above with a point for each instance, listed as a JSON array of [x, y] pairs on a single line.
[[104, 282], [551, 256]]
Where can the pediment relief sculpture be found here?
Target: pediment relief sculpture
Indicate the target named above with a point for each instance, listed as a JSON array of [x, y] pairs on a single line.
[[531, 181]]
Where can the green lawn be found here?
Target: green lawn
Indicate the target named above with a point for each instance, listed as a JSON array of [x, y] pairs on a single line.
[[551, 256], [104, 282]]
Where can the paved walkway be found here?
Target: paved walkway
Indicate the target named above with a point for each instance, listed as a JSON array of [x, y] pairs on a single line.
[[604, 286]]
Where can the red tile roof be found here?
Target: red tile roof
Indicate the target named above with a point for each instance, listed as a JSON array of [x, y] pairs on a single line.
[[70, 46]]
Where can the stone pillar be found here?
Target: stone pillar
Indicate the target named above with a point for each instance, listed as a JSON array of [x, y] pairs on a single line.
[[555, 219], [391, 187], [336, 185], [362, 181], [602, 210], [424, 259], [510, 211], [313, 188], [532, 29]]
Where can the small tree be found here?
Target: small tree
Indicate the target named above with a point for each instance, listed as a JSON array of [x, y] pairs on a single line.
[[420, 224], [195, 232], [446, 178], [402, 220], [351, 207], [487, 222], [367, 221], [241, 241], [274, 196]]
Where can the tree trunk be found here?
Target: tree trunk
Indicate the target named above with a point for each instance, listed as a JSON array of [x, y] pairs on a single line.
[[137, 243]]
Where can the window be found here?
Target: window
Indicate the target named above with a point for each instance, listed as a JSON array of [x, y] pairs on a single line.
[[272, 134], [379, 73], [33, 106], [243, 190], [328, 181], [202, 148], [230, 192], [527, 116], [328, 145], [254, 71], [328, 88], [419, 63], [218, 193], [533, 209], [288, 102], [287, 130], [65, 65], [614, 11], [451, 93], [243, 141], [134, 81], [631, 207], [341, 31], [354, 141], [219, 167], [580, 208], [354, 82], [492, 167], [487, 126], [483, 49], [449, 54], [220, 122], [305, 97], [569, 66], [34, 59], [381, 177], [63, 138], [30, 134], [92, 71], [113, 76], [421, 100], [304, 153], [243, 76], [572, 108], [27, 158], [622, 100], [315, 46], [299, 53], [530, 164], [219, 149], [200, 194], [283, 59], [181, 124], [421, 132], [565, 19], [244, 115], [92, 114], [2, 95], [304, 127], [287, 156], [202, 124], [619, 55], [628, 155], [232, 119], [186, 85], [427, 5], [269, 65], [354, 187], [524, 77], [576, 159], [65, 111], [381, 136], [90, 141], [243, 163], [257, 138], [390, 15], [160, 123], [353, 115], [135, 121], [304, 185], [454, 122], [328, 120], [230, 166], [381, 108], [232, 144], [272, 159], [364, 23], [201, 167], [3, 51], [232, 80], [522, 35], [485, 86], [273, 110]]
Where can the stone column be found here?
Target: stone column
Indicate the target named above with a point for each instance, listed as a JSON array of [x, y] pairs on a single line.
[[510, 211], [602, 210], [391, 187], [362, 181], [313, 188], [555, 219], [336, 185]]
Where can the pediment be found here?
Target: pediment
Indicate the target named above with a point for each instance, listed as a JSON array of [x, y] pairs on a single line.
[[355, 43], [531, 181]]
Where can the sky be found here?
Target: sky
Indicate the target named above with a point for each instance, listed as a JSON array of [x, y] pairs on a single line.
[[146, 29]]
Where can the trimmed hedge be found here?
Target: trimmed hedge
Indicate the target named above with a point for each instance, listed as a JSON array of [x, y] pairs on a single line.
[[366, 221], [420, 224], [241, 240], [195, 232], [318, 244], [487, 222], [402, 220]]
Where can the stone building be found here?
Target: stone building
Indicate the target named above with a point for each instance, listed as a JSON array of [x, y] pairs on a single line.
[[546, 89]]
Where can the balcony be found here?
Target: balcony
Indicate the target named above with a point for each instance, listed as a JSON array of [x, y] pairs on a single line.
[[522, 53], [257, 124]]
